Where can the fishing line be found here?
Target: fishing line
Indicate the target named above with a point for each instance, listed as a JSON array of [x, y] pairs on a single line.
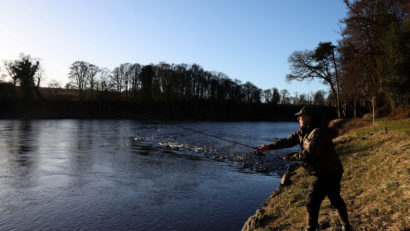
[[257, 151], [192, 130]]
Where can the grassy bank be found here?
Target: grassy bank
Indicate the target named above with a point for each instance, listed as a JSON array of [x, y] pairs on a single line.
[[375, 184]]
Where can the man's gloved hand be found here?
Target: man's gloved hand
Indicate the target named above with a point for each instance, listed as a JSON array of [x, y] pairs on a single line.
[[263, 148], [258, 152]]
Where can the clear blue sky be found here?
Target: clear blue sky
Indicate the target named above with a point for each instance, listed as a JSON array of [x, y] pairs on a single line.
[[247, 40]]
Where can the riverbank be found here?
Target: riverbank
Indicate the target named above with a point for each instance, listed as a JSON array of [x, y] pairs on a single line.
[[194, 110], [375, 183]]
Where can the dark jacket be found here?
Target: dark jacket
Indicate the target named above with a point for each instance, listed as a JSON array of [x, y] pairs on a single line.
[[318, 153]]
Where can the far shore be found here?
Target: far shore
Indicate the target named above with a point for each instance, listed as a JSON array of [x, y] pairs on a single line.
[[151, 111]]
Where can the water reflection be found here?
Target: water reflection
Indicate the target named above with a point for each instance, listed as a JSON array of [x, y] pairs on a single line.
[[84, 132], [22, 144], [19, 137]]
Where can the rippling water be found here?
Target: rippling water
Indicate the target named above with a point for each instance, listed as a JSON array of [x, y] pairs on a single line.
[[128, 175]]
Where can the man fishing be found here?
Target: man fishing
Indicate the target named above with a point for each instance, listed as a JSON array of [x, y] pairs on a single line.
[[320, 159]]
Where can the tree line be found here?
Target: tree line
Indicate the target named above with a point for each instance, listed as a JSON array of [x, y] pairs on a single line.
[[165, 91], [161, 82], [176, 82], [370, 64]]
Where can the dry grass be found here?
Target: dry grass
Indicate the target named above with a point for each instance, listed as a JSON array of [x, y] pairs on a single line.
[[375, 185], [348, 125]]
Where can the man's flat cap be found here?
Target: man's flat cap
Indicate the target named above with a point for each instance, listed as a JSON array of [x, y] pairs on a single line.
[[306, 110]]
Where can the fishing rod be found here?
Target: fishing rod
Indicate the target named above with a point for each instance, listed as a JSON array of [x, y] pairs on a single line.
[[257, 151]]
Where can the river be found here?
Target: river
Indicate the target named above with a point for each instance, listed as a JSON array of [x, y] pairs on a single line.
[[130, 175]]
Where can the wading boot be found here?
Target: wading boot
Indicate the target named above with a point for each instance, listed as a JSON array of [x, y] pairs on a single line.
[[310, 229], [312, 223], [346, 228], [342, 214]]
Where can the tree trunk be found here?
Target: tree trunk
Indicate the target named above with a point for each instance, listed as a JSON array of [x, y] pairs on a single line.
[[373, 110], [354, 108], [332, 88], [337, 85]]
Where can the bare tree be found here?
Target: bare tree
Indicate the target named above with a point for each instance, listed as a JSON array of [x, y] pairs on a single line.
[[103, 79], [267, 95], [117, 80], [134, 78], [303, 99], [319, 63], [78, 75], [275, 96], [147, 73], [54, 84], [92, 78], [285, 99], [252, 93], [319, 98], [126, 71]]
